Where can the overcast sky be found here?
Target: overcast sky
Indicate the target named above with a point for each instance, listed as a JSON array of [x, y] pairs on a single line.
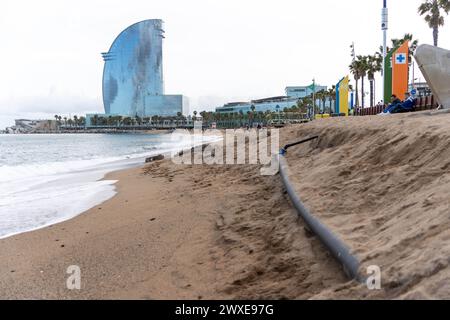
[[214, 51]]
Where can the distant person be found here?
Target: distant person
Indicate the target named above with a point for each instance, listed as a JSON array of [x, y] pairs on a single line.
[[409, 103], [397, 106], [395, 100]]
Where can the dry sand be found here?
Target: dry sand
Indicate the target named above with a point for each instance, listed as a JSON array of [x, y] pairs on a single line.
[[209, 232], [382, 184]]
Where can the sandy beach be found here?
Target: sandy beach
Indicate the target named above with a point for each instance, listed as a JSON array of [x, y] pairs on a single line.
[[226, 232], [175, 231]]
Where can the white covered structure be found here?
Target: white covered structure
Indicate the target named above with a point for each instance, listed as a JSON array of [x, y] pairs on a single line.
[[434, 63]]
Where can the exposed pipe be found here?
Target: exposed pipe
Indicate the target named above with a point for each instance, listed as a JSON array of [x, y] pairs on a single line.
[[338, 248], [286, 147]]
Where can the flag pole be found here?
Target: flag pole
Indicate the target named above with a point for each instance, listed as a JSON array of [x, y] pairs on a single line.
[[384, 27], [314, 99]]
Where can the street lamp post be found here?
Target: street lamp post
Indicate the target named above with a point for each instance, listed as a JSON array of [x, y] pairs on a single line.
[[353, 60], [384, 27], [314, 99]]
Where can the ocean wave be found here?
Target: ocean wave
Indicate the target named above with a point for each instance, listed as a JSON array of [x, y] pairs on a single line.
[[35, 195]]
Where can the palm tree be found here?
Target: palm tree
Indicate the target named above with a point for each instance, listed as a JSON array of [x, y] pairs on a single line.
[[332, 97], [320, 95], [303, 104], [374, 64], [359, 68], [203, 115], [138, 120], [432, 10], [324, 100], [82, 121], [57, 119], [127, 121], [413, 44], [355, 70]]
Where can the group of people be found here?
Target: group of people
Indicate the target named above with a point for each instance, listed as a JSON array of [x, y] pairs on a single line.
[[398, 106]]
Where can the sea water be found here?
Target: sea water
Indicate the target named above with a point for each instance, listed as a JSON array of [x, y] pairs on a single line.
[[49, 178]]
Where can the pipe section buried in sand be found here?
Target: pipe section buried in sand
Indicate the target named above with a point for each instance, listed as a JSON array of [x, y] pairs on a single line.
[[339, 250]]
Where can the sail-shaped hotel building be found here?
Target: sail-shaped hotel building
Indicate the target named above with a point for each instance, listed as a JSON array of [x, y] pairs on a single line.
[[133, 82]]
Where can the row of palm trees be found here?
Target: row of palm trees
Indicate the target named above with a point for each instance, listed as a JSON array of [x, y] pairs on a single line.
[[115, 120], [295, 112], [322, 96], [69, 121], [120, 121], [362, 67]]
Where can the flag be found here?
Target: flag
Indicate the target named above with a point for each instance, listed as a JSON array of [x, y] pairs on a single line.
[[388, 76], [352, 100], [312, 88], [336, 102], [343, 95], [400, 70], [342, 90]]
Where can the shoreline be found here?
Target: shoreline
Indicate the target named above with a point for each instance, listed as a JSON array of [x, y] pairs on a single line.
[[95, 131], [87, 183]]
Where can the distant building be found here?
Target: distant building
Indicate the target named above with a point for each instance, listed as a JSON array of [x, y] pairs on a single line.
[[273, 104], [422, 88], [27, 126], [232, 107], [301, 92], [133, 74], [262, 105]]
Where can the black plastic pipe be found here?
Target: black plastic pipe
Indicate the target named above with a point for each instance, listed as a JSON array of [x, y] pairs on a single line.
[[338, 248], [286, 147]]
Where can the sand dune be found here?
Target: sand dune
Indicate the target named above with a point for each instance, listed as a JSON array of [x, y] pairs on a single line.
[[382, 184]]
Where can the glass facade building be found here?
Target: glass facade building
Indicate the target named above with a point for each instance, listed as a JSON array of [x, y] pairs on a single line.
[[269, 104], [133, 81], [302, 91]]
